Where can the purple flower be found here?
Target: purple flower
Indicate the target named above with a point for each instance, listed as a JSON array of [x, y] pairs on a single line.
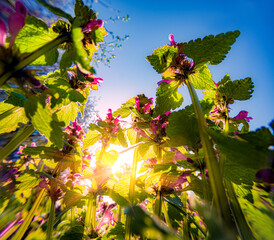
[[93, 25], [266, 175], [166, 81], [243, 115], [171, 39], [108, 216], [15, 22], [3, 32]]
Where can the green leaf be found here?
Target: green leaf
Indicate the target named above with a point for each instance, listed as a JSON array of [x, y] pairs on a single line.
[[34, 35], [62, 92], [81, 56], [211, 49], [11, 117], [260, 218], [98, 35], [118, 232], [167, 97], [261, 138], [66, 60], [57, 11], [202, 78], [16, 99], [74, 233], [145, 224], [41, 118], [162, 58], [91, 138], [125, 109], [236, 90], [240, 152], [71, 198], [109, 158], [67, 113], [83, 11], [28, 180], [183, 129]]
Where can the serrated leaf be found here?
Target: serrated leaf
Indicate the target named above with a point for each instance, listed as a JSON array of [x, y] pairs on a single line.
[[83, 11], [81, 56], [98, 35], [108, 158], [202, 78], [72, 197], [211, 49], [183, 128], [11, 117], [16, 99], [162, 57], [67, 113], [167, 97], [125, 109], [236, 90], [41, 118], [66, 60], [74, 233], [34, 35], [28, 180], [91, 138], [240, 152], [118, 232], [146, 151]]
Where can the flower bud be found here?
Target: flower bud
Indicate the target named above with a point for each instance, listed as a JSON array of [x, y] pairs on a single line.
[[93, 25]]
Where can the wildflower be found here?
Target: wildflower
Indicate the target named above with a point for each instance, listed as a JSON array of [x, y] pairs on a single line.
[[113, 122], [143, 104], [171, 39], [266, 175], [16, 20], [166, 81], [243, 115], [93, 25], [107, 215]]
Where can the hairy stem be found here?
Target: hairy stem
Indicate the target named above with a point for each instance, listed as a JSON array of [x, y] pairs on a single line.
[[32, 56], [23, 228], [131, 194], [21, 136], [215, 176], [51, 220]]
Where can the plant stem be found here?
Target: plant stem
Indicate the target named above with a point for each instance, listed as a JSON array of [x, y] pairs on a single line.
[[158, 204], [21, 136], [88, 223], [34, 55], [93, 216], [51, 219], [168, 222], [242, 225], [131, 194], [185, 219], [215, 176], [23, 228], [72, 212]]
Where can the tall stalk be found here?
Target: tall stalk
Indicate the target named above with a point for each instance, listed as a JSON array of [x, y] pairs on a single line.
[[128, 232], [51, 219], [21, 136], [215, 176], [241, 223], [34, 55], [23, 228]]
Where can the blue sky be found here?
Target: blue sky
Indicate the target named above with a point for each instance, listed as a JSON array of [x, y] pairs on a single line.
[[152, 21]]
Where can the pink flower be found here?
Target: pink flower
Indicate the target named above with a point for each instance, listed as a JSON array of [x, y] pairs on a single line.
[[141, 107], [3, 32], [166, 81], [93, 25], [108, 216], [16, 21], [171, 39], [243, 115]]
